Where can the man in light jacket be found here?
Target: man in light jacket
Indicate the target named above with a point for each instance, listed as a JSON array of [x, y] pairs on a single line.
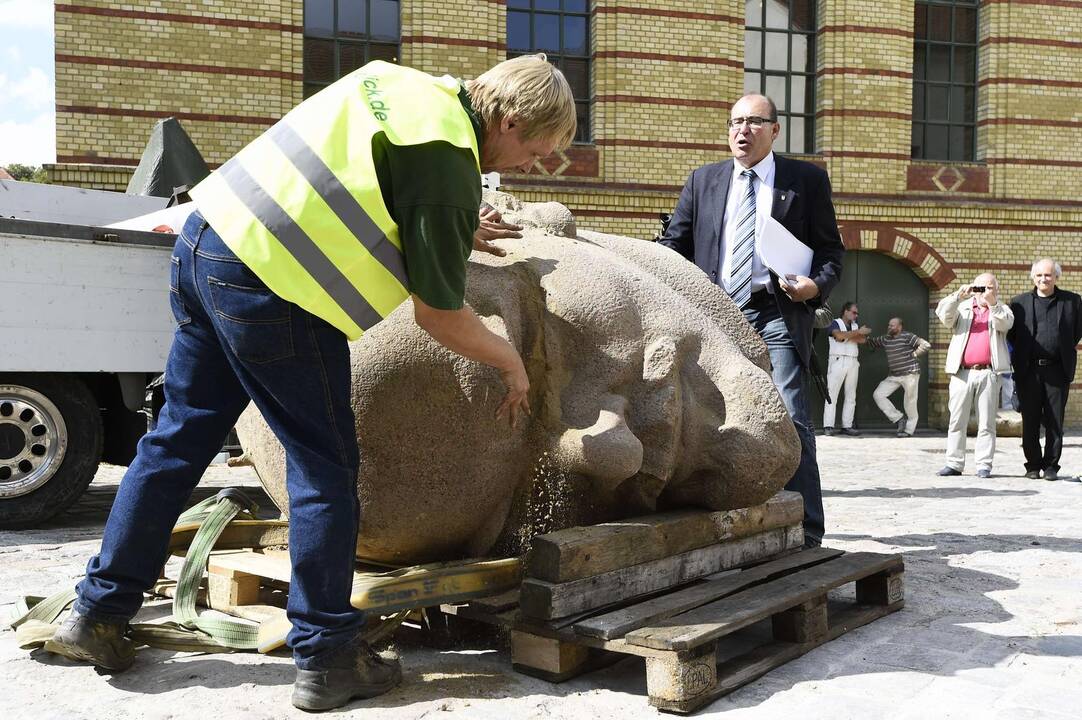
[[976, 358]]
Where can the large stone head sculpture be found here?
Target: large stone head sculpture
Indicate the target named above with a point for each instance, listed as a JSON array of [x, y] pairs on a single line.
[[648, 391]]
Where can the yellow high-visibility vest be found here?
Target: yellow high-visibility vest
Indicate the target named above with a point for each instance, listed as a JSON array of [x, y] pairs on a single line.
[[301, 204]]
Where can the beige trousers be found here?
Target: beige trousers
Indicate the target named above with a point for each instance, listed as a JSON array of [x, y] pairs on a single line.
[[910, 386], [969, 388]]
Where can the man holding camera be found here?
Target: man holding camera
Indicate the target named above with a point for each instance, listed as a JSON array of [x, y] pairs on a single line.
[[977, 356]]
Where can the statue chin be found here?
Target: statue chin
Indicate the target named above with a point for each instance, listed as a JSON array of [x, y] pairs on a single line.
[[648, 390]]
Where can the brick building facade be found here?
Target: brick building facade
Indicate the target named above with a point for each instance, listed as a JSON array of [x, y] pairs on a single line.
[[950, 128]]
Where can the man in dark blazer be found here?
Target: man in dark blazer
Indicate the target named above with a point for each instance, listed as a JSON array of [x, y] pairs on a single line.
[[1047, 329], [716, 226]]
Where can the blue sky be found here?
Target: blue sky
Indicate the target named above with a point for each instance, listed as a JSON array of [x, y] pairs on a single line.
[[27, 95]]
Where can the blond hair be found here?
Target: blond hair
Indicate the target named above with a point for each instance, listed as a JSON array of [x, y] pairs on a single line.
[[531, 90]]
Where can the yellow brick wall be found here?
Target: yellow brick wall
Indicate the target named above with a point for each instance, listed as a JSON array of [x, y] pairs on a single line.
[[663, 77]]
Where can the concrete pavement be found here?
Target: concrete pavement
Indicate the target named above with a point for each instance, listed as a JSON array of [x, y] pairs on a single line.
[[992, 626]]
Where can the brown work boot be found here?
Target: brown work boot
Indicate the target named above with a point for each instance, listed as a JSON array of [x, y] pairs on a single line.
[[354, 670], [104, 644]]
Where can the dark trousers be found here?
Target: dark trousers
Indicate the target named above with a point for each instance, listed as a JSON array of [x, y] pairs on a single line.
[[1042, 392], [235, 341], [788, 375]]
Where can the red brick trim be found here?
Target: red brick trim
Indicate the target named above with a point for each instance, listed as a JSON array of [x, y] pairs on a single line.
[[849, 112], [164, 113], [921, 176], [582, 161], [1006, 266], [121, 162], [1033, 161], [185, 67], [1039, 82], [463, 42], [682, 14], [919, 251], [694, 59], [633, 142], [917, 199], [1038, 122], [1043, 42], [524, 181], [863, 154], [995, 226], [870, 29], [642, 215], [175, 17], [681, 102], [880, 72], [1051, 3]]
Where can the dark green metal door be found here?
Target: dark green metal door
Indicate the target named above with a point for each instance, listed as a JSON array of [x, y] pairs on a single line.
[[882, 288]]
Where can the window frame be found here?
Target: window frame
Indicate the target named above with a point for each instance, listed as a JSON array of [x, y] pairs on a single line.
[[762, 73], [922, 51], [583, 135], [310, 87]]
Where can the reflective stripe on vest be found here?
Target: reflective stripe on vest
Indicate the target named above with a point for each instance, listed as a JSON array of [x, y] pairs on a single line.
[[302, 207]]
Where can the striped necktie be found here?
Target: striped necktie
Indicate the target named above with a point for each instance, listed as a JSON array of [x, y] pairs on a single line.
[[743, 245]]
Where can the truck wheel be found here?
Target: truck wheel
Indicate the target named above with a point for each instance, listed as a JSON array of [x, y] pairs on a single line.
[[50, 445]]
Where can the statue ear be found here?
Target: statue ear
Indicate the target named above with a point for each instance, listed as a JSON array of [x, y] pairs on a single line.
[[607, 451]]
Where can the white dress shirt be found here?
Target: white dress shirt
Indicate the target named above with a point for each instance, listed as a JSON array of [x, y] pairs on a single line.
[[764, 201]]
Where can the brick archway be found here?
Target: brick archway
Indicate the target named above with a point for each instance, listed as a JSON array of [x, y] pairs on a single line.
[[908, 249]]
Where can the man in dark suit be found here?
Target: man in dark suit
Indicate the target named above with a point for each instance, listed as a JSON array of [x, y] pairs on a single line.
[[1047, 328], [716, 225]]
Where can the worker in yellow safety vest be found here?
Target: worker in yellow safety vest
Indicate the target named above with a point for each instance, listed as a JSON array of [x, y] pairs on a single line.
[[364, 195]]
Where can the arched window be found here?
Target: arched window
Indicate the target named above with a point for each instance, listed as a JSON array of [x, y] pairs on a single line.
[[779, 61], [342, 35], [561, 30], [945, 79]]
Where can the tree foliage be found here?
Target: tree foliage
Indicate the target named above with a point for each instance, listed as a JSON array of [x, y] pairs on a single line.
[[27, 173]]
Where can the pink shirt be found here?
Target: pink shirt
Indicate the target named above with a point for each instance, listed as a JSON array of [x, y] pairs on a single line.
[[979, 343]]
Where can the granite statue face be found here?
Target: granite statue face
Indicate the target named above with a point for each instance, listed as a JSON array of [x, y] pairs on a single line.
[[648, 390]]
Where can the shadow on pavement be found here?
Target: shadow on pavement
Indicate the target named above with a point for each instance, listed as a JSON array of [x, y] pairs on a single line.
[[940, 493], [932, 635]]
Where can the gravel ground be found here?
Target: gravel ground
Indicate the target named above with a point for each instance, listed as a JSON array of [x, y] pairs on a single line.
[[992, 626]]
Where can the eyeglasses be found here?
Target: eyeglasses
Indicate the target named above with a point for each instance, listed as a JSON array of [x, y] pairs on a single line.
[[752, 121]]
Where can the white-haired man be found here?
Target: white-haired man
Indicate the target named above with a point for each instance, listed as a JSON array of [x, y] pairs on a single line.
[[1047, 330], [976, 357]]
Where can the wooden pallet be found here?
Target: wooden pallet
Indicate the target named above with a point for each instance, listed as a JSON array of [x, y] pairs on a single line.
[[691, 639]]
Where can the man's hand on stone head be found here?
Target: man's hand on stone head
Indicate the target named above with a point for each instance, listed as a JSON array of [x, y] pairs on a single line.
[[492, 228], [518, 387]]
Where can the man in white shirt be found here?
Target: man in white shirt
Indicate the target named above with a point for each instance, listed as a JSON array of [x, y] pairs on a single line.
[[843, 368]]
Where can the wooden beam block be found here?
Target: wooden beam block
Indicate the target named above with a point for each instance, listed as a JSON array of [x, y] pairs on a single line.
[[548, 658], [885, 588], [806, 622], [721, 617], [227, 588], [675, 682], [581, 552], [546, 600], [619, 622]]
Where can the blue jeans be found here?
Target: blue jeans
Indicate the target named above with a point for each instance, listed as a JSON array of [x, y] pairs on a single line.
[[236, 340], [788, 373]]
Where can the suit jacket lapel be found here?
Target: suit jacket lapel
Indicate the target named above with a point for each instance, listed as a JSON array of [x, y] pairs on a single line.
[[783, 188], [720, 189]]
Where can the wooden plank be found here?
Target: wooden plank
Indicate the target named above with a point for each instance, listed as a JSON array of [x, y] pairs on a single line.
[[546, 600], [267, 565], [807, 622], [554, 660], [710, 621], [680, 678], [496, 603], [580, 552], [619, 622]]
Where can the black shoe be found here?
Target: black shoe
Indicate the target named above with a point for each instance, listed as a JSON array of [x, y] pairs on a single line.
[[948, 471], [828, 431], [1033, 475], [104, 644], [1051, 474], [984, 473], [850, 432], [811, 543], [353, 671], [901, 427]]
